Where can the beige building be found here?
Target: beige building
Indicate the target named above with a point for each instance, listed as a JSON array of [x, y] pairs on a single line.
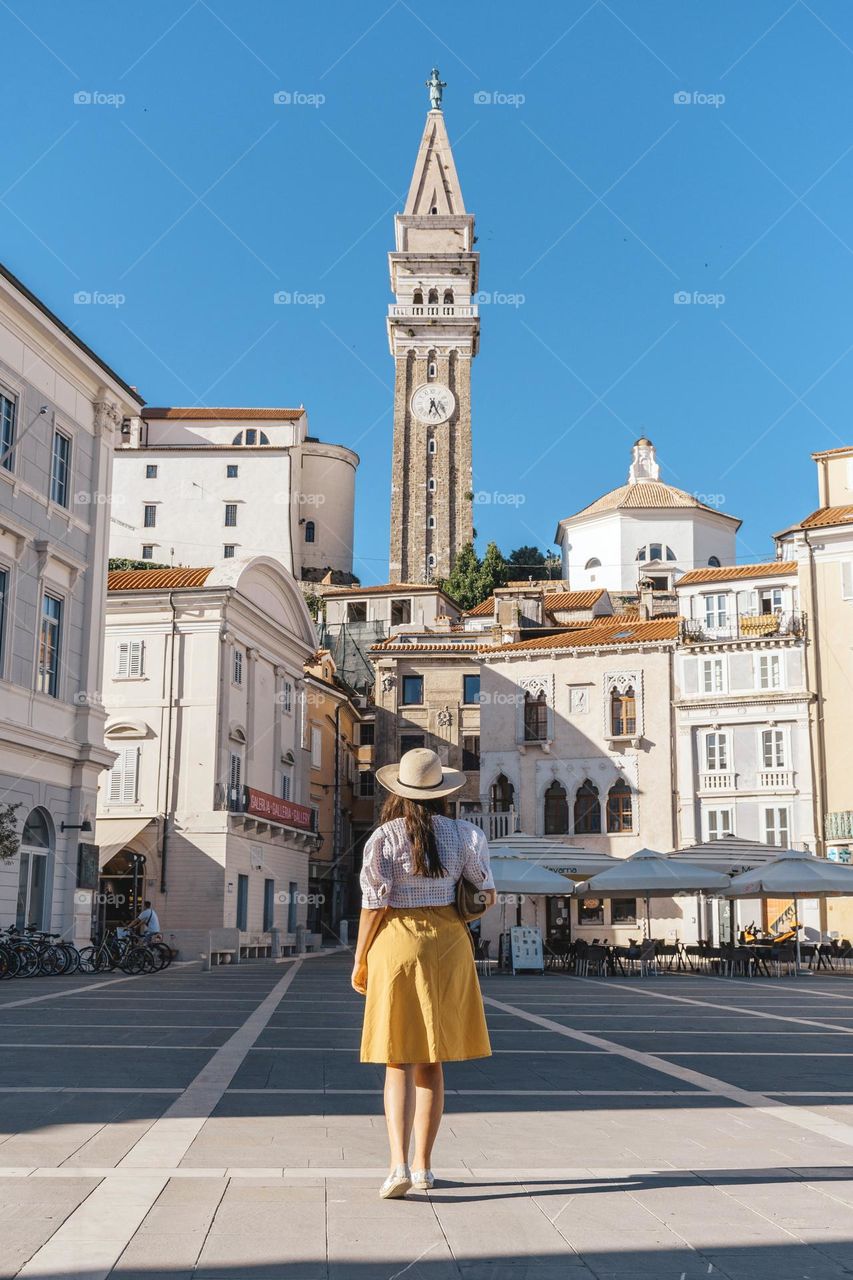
[[206, 810]]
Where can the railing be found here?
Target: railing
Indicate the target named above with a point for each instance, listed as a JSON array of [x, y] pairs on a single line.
[[776, 779], [717, 780], [743, 626], [495, 825], [432, 309]]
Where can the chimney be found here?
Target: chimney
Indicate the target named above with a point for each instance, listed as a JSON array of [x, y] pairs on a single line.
[[646, 600]]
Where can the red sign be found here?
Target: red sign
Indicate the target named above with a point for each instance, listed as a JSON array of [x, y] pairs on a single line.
[[261, 805]]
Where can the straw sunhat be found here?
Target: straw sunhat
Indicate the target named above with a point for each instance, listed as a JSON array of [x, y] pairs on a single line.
[[420, 775]]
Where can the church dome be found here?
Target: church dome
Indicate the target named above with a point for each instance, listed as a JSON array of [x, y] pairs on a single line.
[[647, 494]]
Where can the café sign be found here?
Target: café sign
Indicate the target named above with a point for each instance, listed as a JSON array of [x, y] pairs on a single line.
[[260, 804]]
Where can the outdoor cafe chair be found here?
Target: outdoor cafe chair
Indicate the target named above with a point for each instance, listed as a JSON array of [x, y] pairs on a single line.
[[482, 959], [783, 956], [647, 958], [597, 960]]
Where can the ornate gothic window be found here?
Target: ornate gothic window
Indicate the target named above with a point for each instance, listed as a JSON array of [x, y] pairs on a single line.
[[501, 794], [433, 296], [620, 810], [418, 298], [623, 712], [448, 297], [556, 811], [587, 810], [535, 717]]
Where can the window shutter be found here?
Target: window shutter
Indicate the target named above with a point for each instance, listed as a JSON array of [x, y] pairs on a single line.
[[135, 658], [122, 658], [234, 776], [130, 769], [114, 790]]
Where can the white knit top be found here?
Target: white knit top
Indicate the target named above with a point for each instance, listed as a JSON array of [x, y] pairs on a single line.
[[389, 880]]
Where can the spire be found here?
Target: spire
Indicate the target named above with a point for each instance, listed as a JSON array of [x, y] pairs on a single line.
[[644, 463], [435, 184]]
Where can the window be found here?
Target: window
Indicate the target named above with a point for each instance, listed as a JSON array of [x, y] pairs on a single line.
[[718, 823], [556, 810], [269, 905], [471, 752], [410, 742], [590, 911], [401, 612], [7, 432], [593, 563], [292, 905], [4, 593], [713, 562], [716, 610], [432, 296], [151, 471], [287, 697], [366, 783], [501, 795], [237, 669], [770, 600], [357, 611], [250, 437], [122, 779], [430, 524], [776, 827], [623, 713], [712, 675], [129, 659], [430, 561], [716, 752], [587, 810], [535, 717], [36, 850], [149, 516], [620, 811], [431, 447], [418, 298], [242, 903], [413, 691], [147, 551], [231, 470], [285, 786], [50, 638], [623, 910], [770, 671], [309, 531], [448, 297], [230, 515], [316, 748], [228, 551], [235, 774], [655, 552], [470, 689], [366, 733], [431, 486], [773, 748]]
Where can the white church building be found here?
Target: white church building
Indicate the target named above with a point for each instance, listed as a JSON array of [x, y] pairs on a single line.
[[644, 530]]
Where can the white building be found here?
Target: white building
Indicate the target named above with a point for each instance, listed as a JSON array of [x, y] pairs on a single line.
[[205, 811], [197, 485], [645, 529], [60, 409]]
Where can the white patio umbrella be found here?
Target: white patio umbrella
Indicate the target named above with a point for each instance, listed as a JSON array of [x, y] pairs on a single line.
[[794, 874], [648, 874], [521, 875]]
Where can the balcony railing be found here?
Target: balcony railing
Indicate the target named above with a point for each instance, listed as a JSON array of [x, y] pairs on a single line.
[[776, 779], [717, 780], [404, 309], [743, 626], [495, 825]]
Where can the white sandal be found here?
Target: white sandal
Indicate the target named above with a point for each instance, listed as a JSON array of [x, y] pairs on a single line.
[[423, 1179], [397, 1183]]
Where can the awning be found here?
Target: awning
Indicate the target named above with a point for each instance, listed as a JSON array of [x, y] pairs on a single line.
[[112, 834]]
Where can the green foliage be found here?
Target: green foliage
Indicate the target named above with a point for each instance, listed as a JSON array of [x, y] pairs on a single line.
[[10, 841], [494, 571], [529, 562], [463, 585], [136, 564], [315, 604]]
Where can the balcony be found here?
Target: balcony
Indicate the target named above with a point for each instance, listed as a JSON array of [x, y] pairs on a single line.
[[453, 310], [776, 779], [495, 825], [717, 780], [744, 626]]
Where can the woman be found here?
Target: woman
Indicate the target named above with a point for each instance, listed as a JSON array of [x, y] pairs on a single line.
[[414, 959]]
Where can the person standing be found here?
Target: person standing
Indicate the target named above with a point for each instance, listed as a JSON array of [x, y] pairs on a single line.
[[414, 961]]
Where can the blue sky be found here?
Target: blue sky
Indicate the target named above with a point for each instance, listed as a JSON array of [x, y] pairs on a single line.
[[598, 198]]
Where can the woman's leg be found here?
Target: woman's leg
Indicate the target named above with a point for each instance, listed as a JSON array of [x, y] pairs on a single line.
[[399, 1111], [429, 1107]]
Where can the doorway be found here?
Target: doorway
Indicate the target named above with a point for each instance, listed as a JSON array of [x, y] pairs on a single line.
[[121, 890]]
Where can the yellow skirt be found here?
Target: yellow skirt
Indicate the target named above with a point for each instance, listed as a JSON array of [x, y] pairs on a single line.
[[423, 999]]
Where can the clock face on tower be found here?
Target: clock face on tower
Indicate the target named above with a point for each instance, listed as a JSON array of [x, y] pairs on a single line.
[[433, 403]]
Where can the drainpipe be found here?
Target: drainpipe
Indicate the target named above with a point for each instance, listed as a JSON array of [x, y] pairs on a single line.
[[818, 743], [336, 822], [168, 795]]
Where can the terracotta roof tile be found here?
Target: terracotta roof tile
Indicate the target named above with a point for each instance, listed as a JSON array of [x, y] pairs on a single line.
[[155, 579], [735, 572], [826, 516], [385, 588], [646, 494], [572, 599], [202, 414], [422, 646], [624, 633], [482, 610], [831, 453]]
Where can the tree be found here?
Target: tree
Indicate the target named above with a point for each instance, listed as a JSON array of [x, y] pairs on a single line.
[[463, 585], [494, 572], [530, 563], [10, 841], [136, 564]]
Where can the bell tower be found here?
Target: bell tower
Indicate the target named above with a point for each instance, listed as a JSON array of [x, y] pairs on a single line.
[[433, 333]]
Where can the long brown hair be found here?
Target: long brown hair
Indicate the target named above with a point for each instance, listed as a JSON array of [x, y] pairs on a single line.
[[418, 816]]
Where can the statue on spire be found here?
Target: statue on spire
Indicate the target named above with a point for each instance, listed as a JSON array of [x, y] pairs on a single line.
[[436, 87]]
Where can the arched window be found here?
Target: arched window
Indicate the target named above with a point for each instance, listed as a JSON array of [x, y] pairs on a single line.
[[418, 298], [623, 713], [431, 486], [431, 371], [433, 296], [430, 562], [620, 810], [501, 794], [656, 551], [587, 810], [556, 811], [535, 717], [430, 522], [431, 446], [251, 436], [593, 564], [714, 562], [37, 843], [310, 531], [448, 297]]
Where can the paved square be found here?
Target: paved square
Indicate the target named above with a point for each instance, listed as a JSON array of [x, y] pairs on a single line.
[[192, 1126]]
